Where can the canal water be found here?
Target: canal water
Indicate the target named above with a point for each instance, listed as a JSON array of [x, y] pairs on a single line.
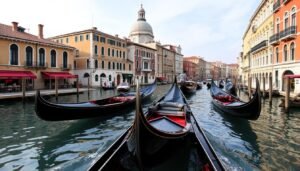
[[28, 143]]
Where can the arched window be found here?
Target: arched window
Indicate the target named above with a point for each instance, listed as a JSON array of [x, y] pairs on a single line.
[[117, 53], [65, 60], [108, 51], [285, 53], [123, 54], [277, 54], [109, 78], [108, 65], [96, 63], [102, 51], [293, 17], [42, 57], [113, 65], [123, 66], [29, 57], [53, 58], [113, 52], [102, 64], [286, 20], [87, 63], [292, 51], [277, 25], [117, 66], [129, 67], [96, 49], [14, 55], [96, 78]]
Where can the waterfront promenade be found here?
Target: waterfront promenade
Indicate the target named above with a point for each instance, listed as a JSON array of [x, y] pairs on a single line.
[[16, 95]]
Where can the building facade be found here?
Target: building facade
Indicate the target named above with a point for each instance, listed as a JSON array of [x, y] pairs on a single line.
[[100, 56], [143, 58], [190, 69], [40, 59]]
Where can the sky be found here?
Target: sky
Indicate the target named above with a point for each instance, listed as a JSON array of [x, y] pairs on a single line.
[[212, 29]]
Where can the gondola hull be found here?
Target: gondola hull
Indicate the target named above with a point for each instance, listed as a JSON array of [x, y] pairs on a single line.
[[151, 145], [98, 108], [235, 107], [188, 87]]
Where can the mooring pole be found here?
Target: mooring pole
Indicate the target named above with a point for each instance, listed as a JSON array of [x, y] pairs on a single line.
[[264, 87], [270, 89], [287, 95]]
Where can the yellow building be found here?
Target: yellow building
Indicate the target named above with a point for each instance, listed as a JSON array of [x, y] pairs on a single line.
[[101, 56], [32, 58], [257, 52]]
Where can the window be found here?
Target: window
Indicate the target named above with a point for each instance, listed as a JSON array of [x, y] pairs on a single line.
[[113, 52], [292, 51], [29, 55], [102, 64], [81, 38], [96, 78], [53, 58], [67, 40], [76, 39], [277, 25], [87, 63], [109, 78], [123, 66], [108, 65], [102, 39], [14, 56], [102, 51], [285, 53], [96, 50], [75, 65], [87, 37], [96, 63], [277, 55], [117, 53], [113, 65], [293, 22], [108, 51], [286, 20], [41, 57], [117, 66], [65, 60], [129, 67], [123, 54]]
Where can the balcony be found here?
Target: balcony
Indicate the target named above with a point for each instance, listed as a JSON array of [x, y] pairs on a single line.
[[146, 69], [146, 58], [29, 64], [259, 46], [288, 33], [276, 6], [285, 1], [66, 67], [274, 39]]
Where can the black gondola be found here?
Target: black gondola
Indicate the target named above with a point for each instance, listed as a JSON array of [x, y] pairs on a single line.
[[96, 108], [188, 87], [167, 137], [232, 105]]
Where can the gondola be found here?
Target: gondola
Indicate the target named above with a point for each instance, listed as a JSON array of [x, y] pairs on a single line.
[[123, 87], [166, 137], [95, 108], [188, 87], [232, 105]]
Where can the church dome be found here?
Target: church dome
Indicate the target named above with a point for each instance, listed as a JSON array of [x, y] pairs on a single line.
[[141, 27]]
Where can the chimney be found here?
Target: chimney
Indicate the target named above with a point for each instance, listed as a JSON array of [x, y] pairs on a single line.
[[41, 35], [14, 26]]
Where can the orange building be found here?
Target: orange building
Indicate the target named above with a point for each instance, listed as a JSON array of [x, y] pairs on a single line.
[[190, 69], [285, 39], [31, 58]]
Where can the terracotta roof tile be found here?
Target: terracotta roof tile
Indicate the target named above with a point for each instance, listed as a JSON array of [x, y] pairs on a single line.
[[6, 31]]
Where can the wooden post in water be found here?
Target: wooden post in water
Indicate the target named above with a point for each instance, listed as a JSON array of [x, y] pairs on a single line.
[[287, 95], [89, 87], [270, 89], [77, 87], [264, 87], [56, 89], [249, 86], [23, 89]]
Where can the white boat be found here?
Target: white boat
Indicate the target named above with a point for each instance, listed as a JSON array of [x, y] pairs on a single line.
[[123, 87]]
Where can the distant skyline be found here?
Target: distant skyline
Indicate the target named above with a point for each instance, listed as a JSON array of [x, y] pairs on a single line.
[[210, 29]]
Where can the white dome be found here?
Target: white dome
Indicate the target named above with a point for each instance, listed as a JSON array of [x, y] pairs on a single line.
[[141, 27]]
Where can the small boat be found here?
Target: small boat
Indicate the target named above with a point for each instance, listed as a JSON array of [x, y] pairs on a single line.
[[232, 105], [123, 87], [108, 86], [166, 137], [95, 108], [230, 88], [188, 87]]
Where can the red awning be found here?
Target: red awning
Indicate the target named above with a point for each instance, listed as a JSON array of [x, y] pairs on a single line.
[[292, 76], [59, 75], [6, 74]]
